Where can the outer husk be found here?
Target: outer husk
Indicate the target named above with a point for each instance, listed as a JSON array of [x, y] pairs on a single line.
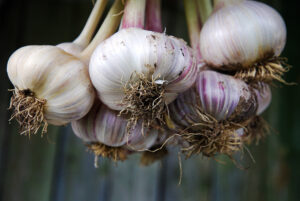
[[28, 110]]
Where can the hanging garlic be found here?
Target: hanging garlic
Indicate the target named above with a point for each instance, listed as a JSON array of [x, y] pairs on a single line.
[[107, 133], [51, 85], [208, 115], [140, 72], [246, 37], [220, 96]]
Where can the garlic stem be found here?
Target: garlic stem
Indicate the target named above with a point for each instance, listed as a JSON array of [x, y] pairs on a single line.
[[204, 9], [194, 24], [153, 16], [108, 27], [134, 14], [221, 3], [86, 35]]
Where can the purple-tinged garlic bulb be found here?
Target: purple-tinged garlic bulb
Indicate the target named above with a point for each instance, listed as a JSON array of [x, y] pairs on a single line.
[[107, 133], [140, 72], [221, 96], [208, 115], [245, 37]]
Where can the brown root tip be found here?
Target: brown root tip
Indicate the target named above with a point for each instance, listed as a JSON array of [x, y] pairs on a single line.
[[210, 137], [267, 71], [115, 153], [143, 100], [28, 111], [211, 142], [256, 130], [149, 157]]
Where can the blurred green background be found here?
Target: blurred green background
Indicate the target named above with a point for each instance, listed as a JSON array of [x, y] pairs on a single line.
[[58, 168]]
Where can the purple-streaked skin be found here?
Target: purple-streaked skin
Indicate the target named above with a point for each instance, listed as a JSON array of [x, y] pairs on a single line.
[[264, 97], [153, 16], [221, 96], [190, 71], [104, 125], [134, 14]]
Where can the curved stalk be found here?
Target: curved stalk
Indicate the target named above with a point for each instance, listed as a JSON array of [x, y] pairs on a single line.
[[87, 33], [108, 27], [153, 16], [134, 14]]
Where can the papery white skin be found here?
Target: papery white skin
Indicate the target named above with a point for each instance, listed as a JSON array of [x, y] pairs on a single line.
[[71, 48], [264, 97], [242, 34], [134, 50], [217, 95], [104, 125], [56, 76]]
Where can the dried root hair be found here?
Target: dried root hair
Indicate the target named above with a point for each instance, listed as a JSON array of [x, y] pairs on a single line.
[[115, 153], [28, 111], [210, 137], [149, 157], [144, 100], [265, 71], [256, 130]]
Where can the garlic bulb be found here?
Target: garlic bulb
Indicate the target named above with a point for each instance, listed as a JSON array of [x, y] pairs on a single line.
[[264, 97], [247, 37], [52, 85], [52, 77], [220, 96], [103, 125], [141, 71]]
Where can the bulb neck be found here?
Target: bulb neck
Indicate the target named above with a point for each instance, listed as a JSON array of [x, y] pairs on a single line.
[[134, 14], [87, 33], [153, 16], [196, 11], [222, 3], [108, 27]]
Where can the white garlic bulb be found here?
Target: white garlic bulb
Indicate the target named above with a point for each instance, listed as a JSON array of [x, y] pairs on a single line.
[[52, 85], [152, 67], [55, 76], [244, 35], [103, 125]]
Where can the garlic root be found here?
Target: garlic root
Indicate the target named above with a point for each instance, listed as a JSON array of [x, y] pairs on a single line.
[[265, 71], [115, 153], [149, 157], [144, 99], [28, 111]]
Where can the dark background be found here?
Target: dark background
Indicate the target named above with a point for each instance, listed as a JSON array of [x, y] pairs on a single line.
[[58, 168]]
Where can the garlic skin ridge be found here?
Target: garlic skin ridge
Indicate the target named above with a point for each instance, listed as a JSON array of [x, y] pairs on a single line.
[[56, 76], [242, 34], [104, 125], [139, 51]]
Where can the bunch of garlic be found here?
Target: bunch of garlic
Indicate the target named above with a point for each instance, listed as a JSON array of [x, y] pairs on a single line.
[[244, 37], [52, 85]]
